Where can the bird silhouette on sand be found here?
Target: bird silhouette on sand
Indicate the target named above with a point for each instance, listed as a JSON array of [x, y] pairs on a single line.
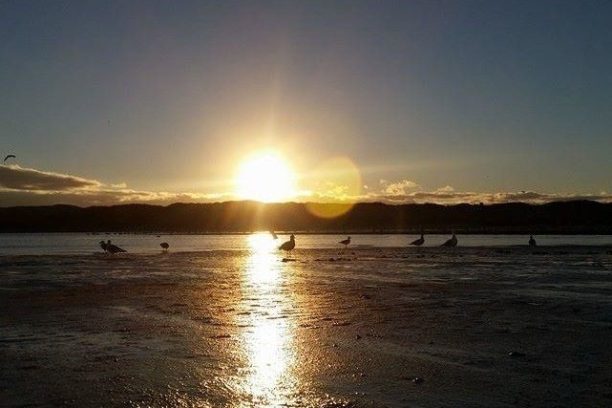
[[418, 242], [452, 242], [288, 245], [111, 248], [345, 242], [532, 241]]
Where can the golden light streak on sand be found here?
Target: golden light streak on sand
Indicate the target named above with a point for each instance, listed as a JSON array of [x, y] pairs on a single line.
[[268, 336]]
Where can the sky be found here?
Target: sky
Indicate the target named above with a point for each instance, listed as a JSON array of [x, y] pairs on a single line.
[[108, 102]]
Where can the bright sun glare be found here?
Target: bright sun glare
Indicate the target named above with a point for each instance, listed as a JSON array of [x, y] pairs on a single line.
[[265, 177]]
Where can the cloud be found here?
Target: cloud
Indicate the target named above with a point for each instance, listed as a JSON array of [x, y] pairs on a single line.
[[407, 191], [102, 197], [445, 189], [399, 188], [18, 178], [442, 196], [24, 186]]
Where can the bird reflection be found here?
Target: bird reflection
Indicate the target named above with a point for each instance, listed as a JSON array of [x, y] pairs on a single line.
[[267, 332]]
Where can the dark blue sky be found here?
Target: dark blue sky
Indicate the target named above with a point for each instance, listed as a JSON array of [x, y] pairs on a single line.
[[484, 96]]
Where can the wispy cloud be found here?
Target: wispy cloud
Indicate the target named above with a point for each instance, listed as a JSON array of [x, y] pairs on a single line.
[[18, 178], [102, 197], [25, 186]]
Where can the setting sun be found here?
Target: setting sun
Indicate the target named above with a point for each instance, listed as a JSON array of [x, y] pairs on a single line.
[[265, 177]]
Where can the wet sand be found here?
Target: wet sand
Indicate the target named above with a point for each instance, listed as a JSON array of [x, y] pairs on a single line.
[[367, 327]]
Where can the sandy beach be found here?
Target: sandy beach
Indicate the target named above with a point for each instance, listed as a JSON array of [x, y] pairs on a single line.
[[366, 327]]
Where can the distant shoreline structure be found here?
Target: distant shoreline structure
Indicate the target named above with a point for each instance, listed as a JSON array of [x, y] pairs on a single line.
[[234, 217]]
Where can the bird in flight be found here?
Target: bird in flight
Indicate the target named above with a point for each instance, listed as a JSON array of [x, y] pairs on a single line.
[[9, 156]]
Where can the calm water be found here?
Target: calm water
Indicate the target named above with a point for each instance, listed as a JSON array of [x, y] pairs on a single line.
[[79, 243]]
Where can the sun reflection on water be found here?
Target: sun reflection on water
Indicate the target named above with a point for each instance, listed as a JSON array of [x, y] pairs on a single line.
[[268, 336], [262, 269]]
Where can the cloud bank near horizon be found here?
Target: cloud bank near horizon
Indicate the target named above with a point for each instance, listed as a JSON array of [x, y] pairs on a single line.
[[26, 186]]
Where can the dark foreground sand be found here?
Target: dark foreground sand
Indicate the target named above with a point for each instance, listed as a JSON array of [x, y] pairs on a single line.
[[478, 327]]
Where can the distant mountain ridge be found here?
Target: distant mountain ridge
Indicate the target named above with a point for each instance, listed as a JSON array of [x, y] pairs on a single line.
[[580, 217]]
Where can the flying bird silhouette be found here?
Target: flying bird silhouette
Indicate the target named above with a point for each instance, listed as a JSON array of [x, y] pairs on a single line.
[[418, 242], [288, 245], [9, 156]]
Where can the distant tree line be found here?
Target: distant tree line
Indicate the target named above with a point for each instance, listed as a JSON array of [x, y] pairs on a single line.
[[582, 217]]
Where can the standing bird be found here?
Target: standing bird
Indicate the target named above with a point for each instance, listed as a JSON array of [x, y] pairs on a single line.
[[113, 249], [532, 242], [451, 242], [9, 157], [288, 245], [165, 246], [345, 242], [103, 246], [418, 242]]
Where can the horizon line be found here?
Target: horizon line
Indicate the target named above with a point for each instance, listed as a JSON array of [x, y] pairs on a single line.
[[351, 204]]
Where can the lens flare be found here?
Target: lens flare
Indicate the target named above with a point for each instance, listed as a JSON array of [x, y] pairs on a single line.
[[339, 187]]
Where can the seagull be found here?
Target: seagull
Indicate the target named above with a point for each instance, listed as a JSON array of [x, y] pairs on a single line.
[[532, 242], [103, 246], [8, 157], [164, 246], [418, 242], [288, 245], [451, 242], [113, 249], [345, 242]]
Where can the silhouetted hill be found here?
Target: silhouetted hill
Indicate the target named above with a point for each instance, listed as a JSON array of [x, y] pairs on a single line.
[[244, 216]]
